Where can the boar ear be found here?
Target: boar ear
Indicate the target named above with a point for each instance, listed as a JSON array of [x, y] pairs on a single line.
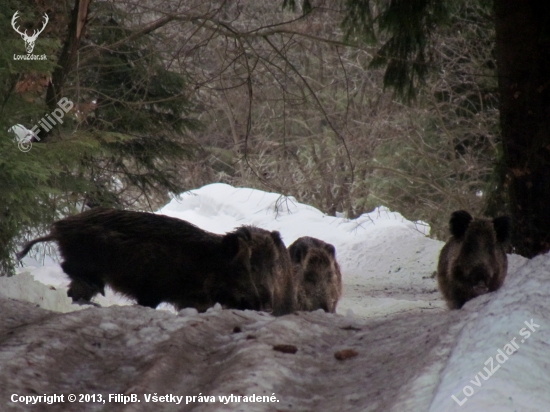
[[502, 225], [459, 223], [244, 233], [330, 249], [276, 236], [297, 252]]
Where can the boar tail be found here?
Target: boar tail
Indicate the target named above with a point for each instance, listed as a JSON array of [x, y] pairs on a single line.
[[29, 245]]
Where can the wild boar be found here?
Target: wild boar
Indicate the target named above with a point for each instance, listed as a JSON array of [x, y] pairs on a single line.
[[473, 262], [272, 271], [154, 258], [316, 274]]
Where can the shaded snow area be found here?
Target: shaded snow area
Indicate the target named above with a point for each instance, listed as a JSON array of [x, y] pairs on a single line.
[[392, 346]]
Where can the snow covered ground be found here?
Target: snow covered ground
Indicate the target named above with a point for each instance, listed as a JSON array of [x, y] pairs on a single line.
[[411, 354]]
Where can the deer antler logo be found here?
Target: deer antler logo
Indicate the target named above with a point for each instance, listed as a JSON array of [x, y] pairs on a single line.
[[29, 40]]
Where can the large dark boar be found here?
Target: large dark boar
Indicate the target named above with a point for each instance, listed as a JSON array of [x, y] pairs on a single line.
[[473, 262], [272, 271], [154, 258], [316, 274]]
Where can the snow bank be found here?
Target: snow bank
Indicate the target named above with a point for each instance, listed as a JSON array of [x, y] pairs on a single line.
[[500, 362], [220, 208], [24, 287]]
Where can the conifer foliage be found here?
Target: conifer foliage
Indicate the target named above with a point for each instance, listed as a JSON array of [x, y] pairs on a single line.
[[405, 27], [119, 144]]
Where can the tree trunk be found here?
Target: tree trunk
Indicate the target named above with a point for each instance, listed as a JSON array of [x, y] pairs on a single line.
[[75, 32], [523, 57]]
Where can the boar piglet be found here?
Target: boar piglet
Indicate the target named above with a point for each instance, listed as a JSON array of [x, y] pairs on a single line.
[[316, 274]]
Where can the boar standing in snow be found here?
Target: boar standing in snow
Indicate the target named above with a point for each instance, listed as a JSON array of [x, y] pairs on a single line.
[[271, 271], [154, 258], [473, 262], [316, 274]]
